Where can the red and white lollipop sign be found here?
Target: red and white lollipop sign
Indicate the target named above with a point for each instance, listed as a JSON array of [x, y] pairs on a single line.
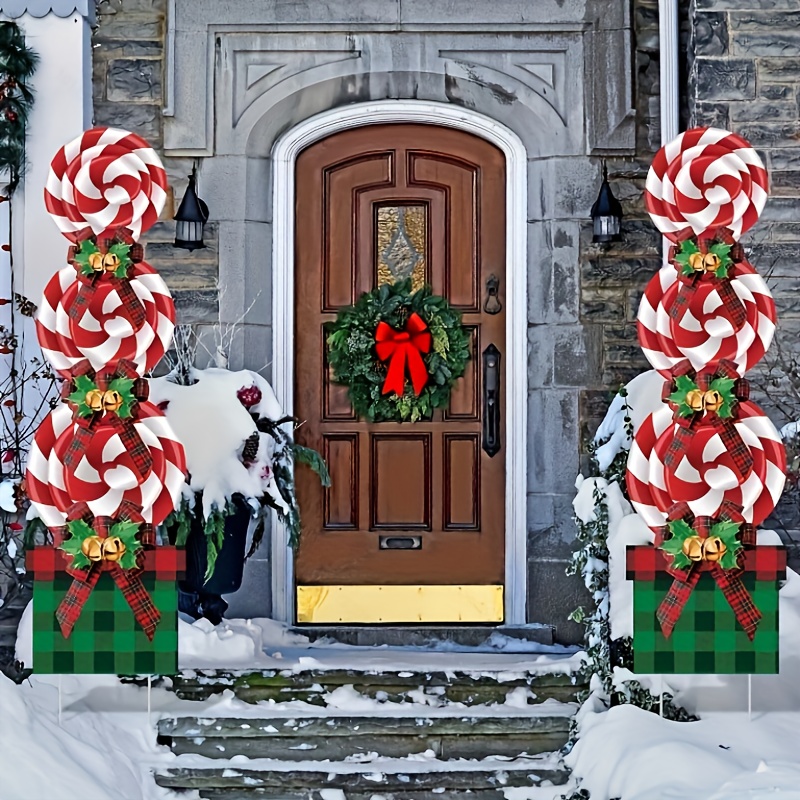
[[703, 180], [106, 473], [103, 180], [706, 473], [677, 321], [105, 331]]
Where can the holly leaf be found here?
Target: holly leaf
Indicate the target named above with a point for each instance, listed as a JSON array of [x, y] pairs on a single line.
[[79, 531], [87, 248], [722, 251], [124, 386], [687, 249], [126, 531], [725, 388], [121, 251], [680, 530], [683, 385], [674, 548], [83, 385]]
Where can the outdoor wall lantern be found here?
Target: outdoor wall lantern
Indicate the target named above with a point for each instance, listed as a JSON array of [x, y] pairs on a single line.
[[606, 213], [191, 217]]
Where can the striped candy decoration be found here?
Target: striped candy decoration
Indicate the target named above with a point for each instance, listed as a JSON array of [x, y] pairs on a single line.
[[106, 178], [703, 330], [704, 179], [104, 333], [705, 474], [105, 474]]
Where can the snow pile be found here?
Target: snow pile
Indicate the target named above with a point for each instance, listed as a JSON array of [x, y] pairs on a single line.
[[213, 426], [642, 398]]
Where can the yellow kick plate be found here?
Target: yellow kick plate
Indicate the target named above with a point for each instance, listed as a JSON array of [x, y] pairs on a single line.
[[361, 604]]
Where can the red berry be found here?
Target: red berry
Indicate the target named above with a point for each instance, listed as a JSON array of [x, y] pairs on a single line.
[[249, 396]]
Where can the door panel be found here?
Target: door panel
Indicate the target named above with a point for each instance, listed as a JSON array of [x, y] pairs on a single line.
[[411, 505]]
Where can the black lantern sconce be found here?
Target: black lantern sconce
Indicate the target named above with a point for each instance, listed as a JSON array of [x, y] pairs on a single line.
[[606, 213], [191, 217]]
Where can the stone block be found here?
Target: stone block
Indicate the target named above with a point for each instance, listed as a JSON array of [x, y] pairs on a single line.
[[144, 118], [778, 70], [784, 231], [553, 271], [553, 445], [126, 48], [771, 134], [603, 305], [629, 354], [763, 111], [540, 356], [784, 158], [712, 114], [730, 79], [577, 355], [777, 43], [196, 305], [478, 11], [785, 183], [135, 80], [131, 27], [777, 209], [551, 525], [552, 597], [710, 33], [634, 299], [605, 272], [765, 17], [111, 7], [776, 91]]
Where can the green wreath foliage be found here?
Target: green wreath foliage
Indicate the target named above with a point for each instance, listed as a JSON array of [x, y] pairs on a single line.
[[352, 357]]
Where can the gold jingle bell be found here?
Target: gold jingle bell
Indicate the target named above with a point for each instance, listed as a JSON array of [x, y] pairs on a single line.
[[94, 399], [694, 399], [696, 262], [96, 261], [711, 262], [112, 400], [693, 548], [110, 262], [113, 548], [92, 548], [712, 400], [714, 548]]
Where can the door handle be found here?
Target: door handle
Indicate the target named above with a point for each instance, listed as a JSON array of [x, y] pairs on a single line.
[[491, 400]]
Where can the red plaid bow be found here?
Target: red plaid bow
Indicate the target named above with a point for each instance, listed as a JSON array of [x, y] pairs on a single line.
[[138, 450], [731, 301], [734, 444], [132, 307], [729, 581], [128, 581]]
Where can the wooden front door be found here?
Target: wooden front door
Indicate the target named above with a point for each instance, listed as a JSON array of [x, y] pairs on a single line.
[[412, 528]]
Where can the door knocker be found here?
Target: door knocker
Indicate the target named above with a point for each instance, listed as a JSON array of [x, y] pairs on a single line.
[[492, 304]]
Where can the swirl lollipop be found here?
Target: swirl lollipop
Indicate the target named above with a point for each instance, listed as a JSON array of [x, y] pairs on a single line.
[[705, 178], [105, 330], [703, 327], [706, 473], [107, 472], [105, 179]]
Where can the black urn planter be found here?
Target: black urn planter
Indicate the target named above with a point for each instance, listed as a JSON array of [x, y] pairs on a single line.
[[199, 598]]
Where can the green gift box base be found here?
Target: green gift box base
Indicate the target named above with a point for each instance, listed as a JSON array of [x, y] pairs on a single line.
[[707, 638], [107, 639]]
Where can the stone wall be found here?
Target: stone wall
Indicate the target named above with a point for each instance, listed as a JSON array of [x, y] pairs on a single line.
[[745, 76], [128, 90], [583, 299]]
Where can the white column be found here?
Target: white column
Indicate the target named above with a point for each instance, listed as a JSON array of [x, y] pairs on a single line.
[[668, 56]]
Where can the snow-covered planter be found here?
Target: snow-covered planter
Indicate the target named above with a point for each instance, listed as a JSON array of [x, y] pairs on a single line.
[[240, 454]]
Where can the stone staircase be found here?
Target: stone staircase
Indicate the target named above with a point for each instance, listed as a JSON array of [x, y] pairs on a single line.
[[351, 735]]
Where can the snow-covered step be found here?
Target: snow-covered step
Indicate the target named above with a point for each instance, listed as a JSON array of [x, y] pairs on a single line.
[[410, 778], [315, 685], [542, 729]]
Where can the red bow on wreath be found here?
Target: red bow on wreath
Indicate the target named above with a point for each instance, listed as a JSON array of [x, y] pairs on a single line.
[[707, 550], [104, 550], [404, 347], [107, 266]]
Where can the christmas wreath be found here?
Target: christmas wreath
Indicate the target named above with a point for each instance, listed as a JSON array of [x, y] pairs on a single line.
[[399, 353]]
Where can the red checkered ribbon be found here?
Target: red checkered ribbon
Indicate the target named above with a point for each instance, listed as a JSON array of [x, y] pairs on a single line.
[[140, 453], [128, 581], [729, 581], [736, 311], [740, 453], [132, 307]]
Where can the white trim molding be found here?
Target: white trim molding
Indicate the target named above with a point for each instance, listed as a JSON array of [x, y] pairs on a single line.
[[284, 156]]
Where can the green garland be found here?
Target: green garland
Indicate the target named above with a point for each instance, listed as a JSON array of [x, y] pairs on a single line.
[[351, 352], [17, 65]]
